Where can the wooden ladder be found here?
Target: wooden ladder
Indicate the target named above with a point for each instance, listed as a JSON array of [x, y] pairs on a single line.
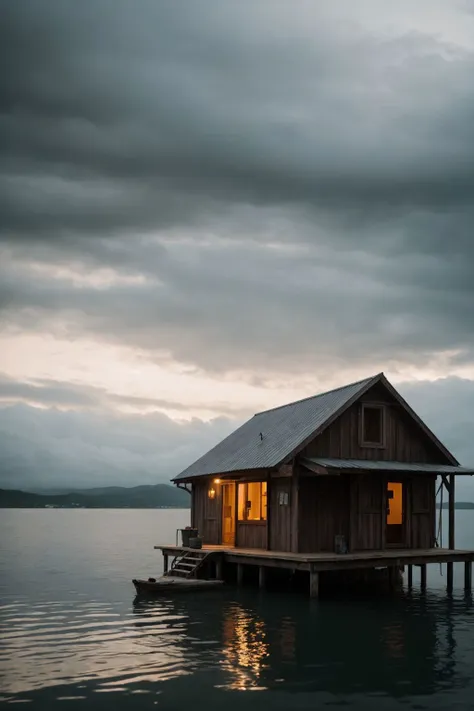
[[187, 564]]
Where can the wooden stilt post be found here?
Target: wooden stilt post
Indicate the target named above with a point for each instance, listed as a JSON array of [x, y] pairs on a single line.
[[468, 576], [451, 533], [240, 574], [449, 576], [423, 576], [165, 562], [261, 577], [410, 576], [313, 584], [392, 576]]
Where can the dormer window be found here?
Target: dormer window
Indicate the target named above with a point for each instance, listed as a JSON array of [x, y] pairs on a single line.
[[372, 425]]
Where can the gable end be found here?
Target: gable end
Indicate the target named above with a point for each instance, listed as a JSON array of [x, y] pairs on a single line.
[[379, 425]]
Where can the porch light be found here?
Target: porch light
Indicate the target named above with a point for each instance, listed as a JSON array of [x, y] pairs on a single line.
[[217, 481], [211, 493]]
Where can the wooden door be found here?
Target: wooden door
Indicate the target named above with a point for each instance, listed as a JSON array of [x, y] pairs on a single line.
[[423, 512], [228, 514], [371, 513]]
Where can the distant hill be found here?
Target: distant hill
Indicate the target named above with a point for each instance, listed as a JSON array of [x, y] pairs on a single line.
[[468, 505], [76, 490], [116, 497]]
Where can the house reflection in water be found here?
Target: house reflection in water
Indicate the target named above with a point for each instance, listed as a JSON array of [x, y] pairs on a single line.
[[393, 637], [287, 640], [370, 647]]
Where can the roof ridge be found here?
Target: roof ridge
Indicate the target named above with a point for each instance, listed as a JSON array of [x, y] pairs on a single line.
[[313, 397]]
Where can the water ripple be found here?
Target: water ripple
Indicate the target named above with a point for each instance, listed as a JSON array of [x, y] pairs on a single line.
[[61, 644], [84, 641]]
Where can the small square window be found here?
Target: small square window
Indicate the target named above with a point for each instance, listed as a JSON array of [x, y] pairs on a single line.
[[373, 426]]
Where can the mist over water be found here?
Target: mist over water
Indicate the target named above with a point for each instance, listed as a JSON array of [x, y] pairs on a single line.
[[74, 637]]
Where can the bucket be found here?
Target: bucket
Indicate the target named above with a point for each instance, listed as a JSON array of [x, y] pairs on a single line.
[[186, 534], [195, 542], [340, 544]]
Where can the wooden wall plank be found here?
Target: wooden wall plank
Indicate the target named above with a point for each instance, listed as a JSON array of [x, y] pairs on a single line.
[[405, 442], [252, 535], [207, 516], [323, 512], [423, 512], [295, 511], [281, 515], [370, 507]]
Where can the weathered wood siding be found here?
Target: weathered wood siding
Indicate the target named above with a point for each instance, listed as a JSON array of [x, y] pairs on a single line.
[[280, 515], [206, 516], [368, 512], [422, 512], [369, 505], [405, 441], [252, 535], [351, 505], [206, 513], [323, 512]]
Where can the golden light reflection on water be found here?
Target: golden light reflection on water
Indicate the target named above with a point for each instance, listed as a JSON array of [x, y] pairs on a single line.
[[245, 649]]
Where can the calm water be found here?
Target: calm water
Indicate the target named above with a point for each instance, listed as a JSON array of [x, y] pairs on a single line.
[[72, 636]]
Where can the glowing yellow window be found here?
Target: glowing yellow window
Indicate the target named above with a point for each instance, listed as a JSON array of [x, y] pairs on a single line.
[[252, 501]]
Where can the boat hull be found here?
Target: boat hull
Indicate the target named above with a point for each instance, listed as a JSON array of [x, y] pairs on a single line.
[[170, 586]]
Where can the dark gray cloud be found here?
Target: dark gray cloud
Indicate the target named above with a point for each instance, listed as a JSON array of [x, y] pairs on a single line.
[[446, 406], [149, 116], [46, 392], [240, 127], [51, 393], [245, 307], [50, 448], [274, 192]]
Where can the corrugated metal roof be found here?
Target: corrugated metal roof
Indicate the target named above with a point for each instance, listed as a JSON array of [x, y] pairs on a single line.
[[369, 465], [283, 429]]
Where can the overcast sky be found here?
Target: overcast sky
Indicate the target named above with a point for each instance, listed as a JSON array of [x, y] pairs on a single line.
[[213, 207]]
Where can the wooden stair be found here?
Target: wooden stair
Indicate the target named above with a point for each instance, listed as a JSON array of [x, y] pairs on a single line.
[[187, 564]]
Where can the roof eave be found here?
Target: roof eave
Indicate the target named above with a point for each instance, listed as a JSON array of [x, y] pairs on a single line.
[[233, 474], [326, 467]]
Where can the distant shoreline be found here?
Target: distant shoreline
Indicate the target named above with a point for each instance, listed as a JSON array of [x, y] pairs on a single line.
[[96, 508], [160, 496]]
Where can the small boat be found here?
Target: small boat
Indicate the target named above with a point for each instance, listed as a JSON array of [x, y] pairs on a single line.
[[169, 585]]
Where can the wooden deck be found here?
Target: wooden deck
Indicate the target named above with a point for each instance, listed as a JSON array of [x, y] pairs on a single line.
[[321, 562], [330, 561]]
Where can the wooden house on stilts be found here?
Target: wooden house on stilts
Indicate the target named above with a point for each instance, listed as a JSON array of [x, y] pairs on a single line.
[[342, 480]]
